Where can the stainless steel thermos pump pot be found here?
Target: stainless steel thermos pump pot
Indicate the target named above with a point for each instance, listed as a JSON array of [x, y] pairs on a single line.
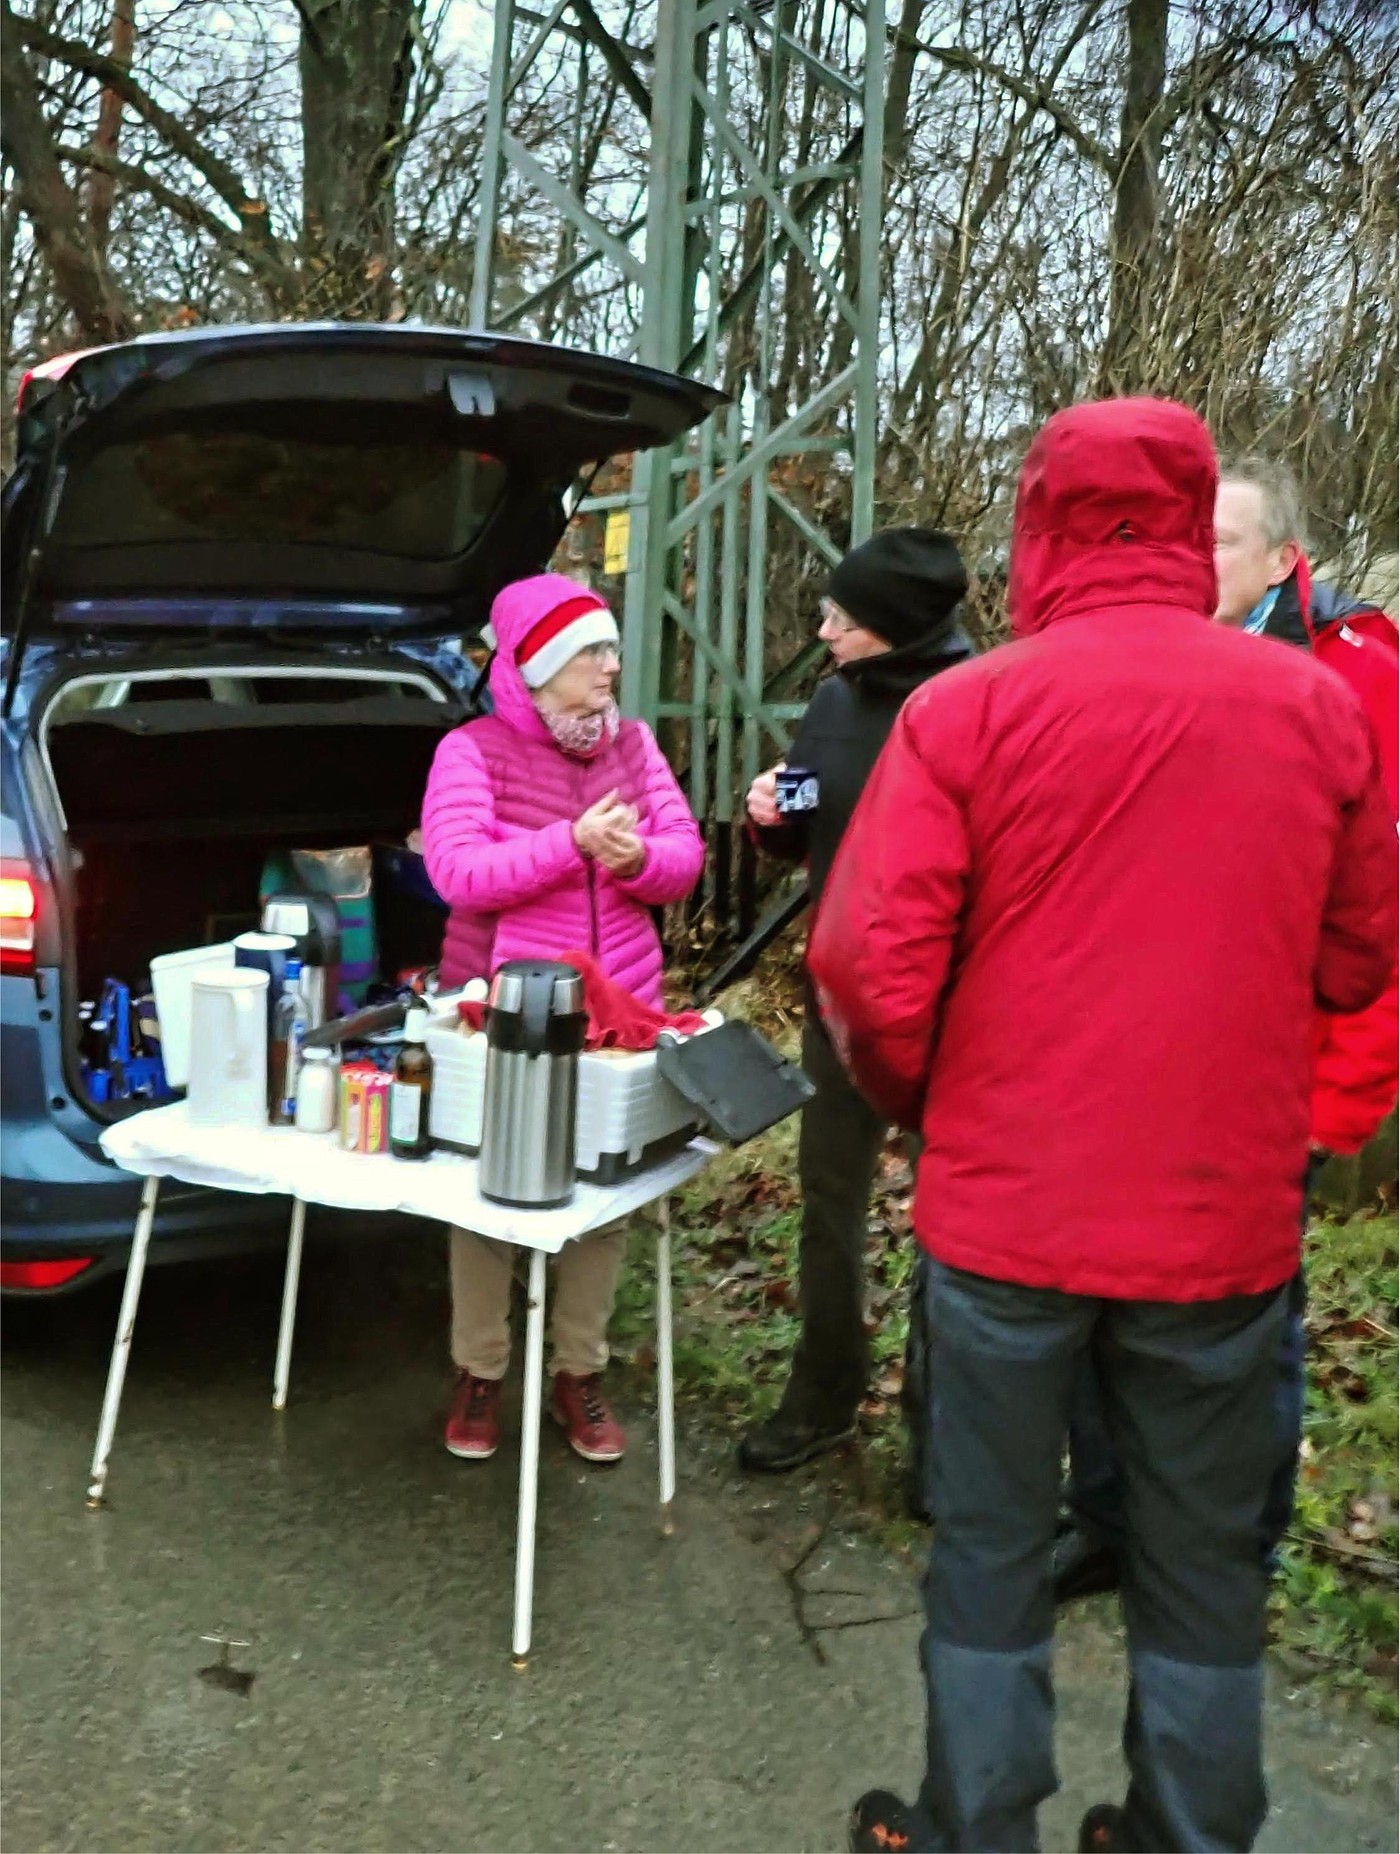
[[535, 1024]]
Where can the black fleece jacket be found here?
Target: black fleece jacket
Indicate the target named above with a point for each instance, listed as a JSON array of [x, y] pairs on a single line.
[[847, 722]]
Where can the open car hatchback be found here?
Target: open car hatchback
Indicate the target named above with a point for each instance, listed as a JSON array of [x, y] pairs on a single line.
[[239, 565]]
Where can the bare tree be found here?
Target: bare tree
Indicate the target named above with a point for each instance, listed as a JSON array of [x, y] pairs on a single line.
[[106, 142], [1197, 200], [51, 205], [1137, 190], [356, 61]]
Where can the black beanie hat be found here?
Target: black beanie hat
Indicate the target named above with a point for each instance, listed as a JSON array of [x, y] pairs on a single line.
[[902, 584]]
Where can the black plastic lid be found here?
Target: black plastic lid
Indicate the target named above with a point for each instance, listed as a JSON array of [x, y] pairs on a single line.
[[536, 1009]]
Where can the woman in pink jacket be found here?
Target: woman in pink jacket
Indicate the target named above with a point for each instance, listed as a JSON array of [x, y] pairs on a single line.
[[551, 824]]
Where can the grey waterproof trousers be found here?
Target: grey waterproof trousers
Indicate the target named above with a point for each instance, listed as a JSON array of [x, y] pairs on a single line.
[[1188, 1395]]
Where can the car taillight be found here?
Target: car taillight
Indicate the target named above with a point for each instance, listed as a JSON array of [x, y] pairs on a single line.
[[17, 912], [43, 1274]]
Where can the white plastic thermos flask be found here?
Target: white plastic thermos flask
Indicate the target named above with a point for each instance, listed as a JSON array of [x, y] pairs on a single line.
[[535, 1025], [228, 1048]]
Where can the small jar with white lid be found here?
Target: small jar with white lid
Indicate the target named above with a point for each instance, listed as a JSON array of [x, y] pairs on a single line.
[[317, 1085]]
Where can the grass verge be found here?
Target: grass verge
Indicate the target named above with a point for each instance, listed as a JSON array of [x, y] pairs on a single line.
[[1334, 1609]]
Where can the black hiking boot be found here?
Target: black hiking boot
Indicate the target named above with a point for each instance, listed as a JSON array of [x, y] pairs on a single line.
[[782, 1442], [1101, 1831], [1082, 1565], [880, 1824]]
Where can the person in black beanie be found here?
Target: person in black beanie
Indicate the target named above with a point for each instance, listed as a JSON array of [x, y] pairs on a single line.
[[890, 622]]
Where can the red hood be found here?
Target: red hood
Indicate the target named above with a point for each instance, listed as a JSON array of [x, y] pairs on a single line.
[[1115, 506]]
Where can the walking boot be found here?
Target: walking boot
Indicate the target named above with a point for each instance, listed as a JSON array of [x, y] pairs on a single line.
[[579, 1407], [1101, 1831], [880, 1824], [474, 1420], [784, 1441]]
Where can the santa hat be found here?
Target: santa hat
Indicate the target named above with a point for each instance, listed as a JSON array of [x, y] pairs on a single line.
[[560, 635]]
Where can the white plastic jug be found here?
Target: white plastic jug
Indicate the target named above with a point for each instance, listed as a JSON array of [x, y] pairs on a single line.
[[228, 1048], [172, 975]]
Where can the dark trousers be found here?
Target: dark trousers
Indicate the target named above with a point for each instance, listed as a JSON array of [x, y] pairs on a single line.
[[838, 1149], [1095, 1490], [1189, 1406]]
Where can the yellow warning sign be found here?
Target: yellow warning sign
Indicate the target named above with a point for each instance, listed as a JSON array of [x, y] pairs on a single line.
[[616, 537]]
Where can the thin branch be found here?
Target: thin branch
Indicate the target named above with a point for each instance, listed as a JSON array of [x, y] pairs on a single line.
[[1038, 99], [187, 210], [80, 275], [252, 213]]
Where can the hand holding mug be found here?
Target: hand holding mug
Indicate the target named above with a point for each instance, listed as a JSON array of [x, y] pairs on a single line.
[[763, 799]]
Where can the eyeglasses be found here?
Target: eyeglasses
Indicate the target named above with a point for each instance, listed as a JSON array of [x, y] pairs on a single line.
[[600, 652], [832, 614]]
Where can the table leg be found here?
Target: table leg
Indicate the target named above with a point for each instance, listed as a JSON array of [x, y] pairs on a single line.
[[121, 1346], [529, 1461], [665, 1375], [291, 1281]]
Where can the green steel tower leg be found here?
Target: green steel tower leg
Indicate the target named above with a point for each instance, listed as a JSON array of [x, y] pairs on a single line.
[[763, 185]]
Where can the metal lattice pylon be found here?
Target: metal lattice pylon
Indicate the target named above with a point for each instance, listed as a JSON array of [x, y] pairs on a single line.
[[750, 124]]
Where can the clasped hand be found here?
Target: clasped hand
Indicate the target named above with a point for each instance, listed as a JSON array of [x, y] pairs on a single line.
[[607, 832]]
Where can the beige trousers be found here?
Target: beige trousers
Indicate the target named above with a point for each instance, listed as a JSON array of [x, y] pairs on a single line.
[[584, 1290]]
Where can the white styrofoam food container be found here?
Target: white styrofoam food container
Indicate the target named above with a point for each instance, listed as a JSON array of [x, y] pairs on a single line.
[[628, 1114]]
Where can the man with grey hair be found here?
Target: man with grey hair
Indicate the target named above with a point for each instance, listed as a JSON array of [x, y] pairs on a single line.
[[1260, 545], [1265, 589]]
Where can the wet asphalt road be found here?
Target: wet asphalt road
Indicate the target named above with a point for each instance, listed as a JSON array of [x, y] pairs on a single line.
[[691, 1693]]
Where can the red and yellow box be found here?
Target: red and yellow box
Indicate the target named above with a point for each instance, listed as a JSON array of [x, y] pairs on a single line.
[[364, 1108]]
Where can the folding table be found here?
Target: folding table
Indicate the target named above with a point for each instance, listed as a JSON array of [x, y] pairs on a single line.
[[312, 1169]]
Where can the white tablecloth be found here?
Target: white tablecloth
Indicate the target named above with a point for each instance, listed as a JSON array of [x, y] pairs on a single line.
[[280, 1161]]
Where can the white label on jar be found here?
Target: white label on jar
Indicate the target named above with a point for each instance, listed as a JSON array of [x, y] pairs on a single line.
[[405, 1112]]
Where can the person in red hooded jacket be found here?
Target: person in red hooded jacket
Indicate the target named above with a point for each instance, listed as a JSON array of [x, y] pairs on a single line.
[[1076, 933], [1266, 590]]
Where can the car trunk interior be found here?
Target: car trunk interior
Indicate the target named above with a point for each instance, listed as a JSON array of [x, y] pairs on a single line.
[[176, 795]]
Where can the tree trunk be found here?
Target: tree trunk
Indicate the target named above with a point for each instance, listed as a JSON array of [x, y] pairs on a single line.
[[53, 209], [1137, 196], [356, 64], [102, 186], [900, 81]]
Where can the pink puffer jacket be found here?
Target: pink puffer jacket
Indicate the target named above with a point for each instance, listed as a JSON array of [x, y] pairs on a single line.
[[498, 821]]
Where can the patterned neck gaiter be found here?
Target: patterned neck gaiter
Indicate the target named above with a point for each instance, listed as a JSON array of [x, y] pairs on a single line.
[[583, 735]]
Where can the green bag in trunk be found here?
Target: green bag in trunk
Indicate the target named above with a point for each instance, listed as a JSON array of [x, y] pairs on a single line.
[[347, 877]]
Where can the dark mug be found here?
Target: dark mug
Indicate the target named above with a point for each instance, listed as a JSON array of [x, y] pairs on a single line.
[[798, 790]]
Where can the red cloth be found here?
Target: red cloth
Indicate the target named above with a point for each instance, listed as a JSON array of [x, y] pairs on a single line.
[[616, 1020], [1355, 1056], [1097, 883]]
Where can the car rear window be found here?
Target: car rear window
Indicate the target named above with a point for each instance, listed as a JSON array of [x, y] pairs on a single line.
[[418, 500]]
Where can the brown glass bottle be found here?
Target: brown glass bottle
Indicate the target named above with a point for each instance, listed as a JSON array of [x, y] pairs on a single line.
[[411, 1093]]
